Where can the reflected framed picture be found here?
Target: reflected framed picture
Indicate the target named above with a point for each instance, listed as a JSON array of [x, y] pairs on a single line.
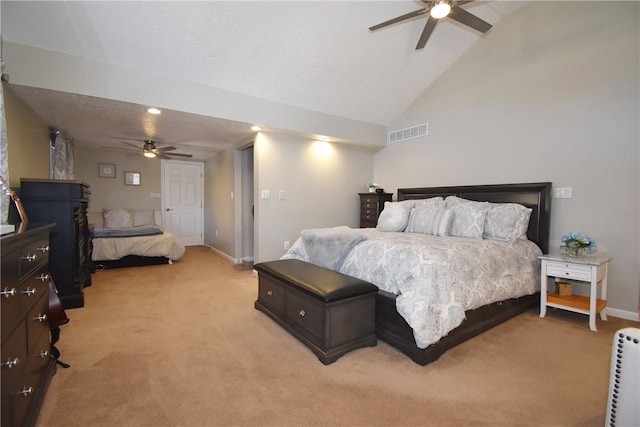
[[132, 178], [106, 170]]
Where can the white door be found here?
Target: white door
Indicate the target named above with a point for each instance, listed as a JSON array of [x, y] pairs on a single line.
[[182, 194]]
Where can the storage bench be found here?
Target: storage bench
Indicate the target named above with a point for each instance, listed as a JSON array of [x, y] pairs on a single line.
[[329, 312]]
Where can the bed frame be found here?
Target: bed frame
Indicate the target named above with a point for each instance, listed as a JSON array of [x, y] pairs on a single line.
[[393, 329]]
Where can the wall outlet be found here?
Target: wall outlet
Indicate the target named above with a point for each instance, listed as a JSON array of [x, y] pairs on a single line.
[[286, 244]]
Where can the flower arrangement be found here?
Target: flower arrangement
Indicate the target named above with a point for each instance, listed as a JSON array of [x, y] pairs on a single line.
[[575, 243]]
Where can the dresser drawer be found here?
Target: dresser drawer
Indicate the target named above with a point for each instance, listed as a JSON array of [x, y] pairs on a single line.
[[38, 324], [14, 357], [33, 255], [10, 301], [306, 312], [271, 293], [569, 271]]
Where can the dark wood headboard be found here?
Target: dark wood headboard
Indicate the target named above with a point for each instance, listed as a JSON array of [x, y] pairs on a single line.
[[536, 196]]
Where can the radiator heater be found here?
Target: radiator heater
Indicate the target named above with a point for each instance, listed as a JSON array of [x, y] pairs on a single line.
[[623, 406]]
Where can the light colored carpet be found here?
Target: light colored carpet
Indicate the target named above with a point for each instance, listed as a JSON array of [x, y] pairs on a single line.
[[182, 345]]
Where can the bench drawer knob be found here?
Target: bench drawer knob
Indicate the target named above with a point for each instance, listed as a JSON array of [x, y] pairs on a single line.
[[269, 292], [302, 313]]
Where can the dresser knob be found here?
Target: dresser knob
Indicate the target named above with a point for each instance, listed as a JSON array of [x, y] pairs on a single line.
[[44, 249], [269, 292], [43, 277], [302, 313], [8, 292], [40, 317], [44, 354], [26, 391], [11, 363], [30, 258], [29, 291]]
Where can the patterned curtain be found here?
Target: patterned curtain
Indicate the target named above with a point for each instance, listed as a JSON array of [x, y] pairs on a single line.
[[63, 159], [4, 163]]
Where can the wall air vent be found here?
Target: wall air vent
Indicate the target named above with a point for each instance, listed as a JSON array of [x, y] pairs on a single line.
[[408, 133]]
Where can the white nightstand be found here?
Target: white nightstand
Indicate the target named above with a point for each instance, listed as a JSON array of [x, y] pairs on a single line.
[[591, 269]]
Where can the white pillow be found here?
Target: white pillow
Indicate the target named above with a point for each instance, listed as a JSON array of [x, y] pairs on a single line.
[[394, 216], [430, 202], [507, 221], [467, 219], [144, 217], [117, 218], [432, 220]]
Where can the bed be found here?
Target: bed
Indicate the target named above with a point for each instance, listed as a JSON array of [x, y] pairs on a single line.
[[129, 238], [401, 301]]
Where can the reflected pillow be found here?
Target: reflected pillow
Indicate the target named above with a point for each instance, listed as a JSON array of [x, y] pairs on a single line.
[[117, 218]]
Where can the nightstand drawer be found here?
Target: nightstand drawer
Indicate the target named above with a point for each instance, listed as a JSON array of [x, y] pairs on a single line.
[[569, 271]]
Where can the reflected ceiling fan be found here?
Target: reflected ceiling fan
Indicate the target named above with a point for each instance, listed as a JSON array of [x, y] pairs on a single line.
[[436, 10], [150, 150]]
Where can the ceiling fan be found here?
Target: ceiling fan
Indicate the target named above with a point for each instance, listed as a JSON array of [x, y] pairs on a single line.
[[438, 9], [150, 150]]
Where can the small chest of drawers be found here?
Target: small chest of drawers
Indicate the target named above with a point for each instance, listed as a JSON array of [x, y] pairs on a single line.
[[25, 362], [371, 205]]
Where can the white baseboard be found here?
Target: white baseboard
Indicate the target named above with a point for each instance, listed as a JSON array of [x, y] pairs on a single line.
[[222, 254], [622, 314]]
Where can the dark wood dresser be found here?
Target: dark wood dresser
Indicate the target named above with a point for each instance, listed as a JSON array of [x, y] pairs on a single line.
[[371, 204], [65, 203], [27, 367]]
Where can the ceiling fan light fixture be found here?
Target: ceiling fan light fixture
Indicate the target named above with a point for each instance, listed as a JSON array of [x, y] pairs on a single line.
[[441, 9], [149, 154]]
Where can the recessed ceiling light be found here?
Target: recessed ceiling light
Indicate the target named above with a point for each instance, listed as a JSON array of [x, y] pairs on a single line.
[[325, 138], [256, 128], [153, 110]]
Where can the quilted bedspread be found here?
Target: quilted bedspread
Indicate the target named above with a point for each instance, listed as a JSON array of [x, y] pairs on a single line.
[[159, 245], [438, 278]]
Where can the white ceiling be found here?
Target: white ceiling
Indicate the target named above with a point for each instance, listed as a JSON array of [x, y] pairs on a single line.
[[318, 56]]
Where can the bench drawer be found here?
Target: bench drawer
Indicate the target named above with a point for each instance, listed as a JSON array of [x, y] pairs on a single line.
[[271, 293], [306, 312]]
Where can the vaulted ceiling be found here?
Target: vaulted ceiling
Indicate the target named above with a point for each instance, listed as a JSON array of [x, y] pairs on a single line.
[[317, 56]]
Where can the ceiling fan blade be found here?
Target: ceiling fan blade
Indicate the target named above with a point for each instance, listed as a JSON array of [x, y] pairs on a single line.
[[426, 32], [466, 18], [177, 154], [398, 19], [162, 156], [166, 148], [131, 145], [120, 149]]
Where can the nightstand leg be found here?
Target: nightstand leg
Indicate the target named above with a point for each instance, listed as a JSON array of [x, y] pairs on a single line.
[[603, 292], [544, 280], [592, 304]]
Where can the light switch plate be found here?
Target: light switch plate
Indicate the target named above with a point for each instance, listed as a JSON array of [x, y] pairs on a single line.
[[562, 193]]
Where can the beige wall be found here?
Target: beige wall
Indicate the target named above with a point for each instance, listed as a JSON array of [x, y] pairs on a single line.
[[218, 205], [27, 140], [320, 181], [109, 193], [550, 94]]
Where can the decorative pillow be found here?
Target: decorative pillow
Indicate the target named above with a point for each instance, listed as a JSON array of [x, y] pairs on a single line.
[[144, 217], [467, 219], [429, 220], [117, 218], [394, 216], [430, 202], [507, 221]]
